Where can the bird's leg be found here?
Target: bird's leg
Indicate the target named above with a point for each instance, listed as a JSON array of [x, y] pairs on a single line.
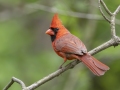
[[63, 63]]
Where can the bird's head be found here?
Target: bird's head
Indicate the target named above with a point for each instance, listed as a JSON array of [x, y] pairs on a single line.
[[56, 29]]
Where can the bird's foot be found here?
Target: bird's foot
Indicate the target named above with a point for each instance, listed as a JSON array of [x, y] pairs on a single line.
[[60, 67]]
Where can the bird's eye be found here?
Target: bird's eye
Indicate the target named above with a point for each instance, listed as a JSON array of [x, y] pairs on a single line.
[[54, 29]]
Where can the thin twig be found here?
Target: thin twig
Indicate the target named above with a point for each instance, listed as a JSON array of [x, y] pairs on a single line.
[[9, 84], [103, 13], [117, 10], [112, 19], [17, 81], [105, 45], [105, 7]]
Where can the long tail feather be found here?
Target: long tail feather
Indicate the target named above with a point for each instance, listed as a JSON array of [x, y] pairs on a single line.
[[94, 65]]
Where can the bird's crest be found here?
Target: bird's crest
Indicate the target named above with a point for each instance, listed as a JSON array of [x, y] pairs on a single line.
[[56, 22]]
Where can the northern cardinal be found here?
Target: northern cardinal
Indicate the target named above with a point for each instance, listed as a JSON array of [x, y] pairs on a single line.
[[70, 47]]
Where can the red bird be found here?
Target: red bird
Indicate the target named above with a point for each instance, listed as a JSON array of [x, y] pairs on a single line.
[[70, 47]]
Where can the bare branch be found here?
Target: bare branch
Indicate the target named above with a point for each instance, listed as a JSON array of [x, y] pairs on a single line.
[[72, 64], [105, 45], [105, 7], [52, 75], [17, 81], [103, 13], [117, 10], [113, 32], [60, 71], [112, 23], [112, 19], [9, 84]]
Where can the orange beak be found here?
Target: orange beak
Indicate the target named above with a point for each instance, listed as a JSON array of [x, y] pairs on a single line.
[[49, 32]]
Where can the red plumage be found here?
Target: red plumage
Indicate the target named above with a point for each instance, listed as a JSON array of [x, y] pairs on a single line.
[[70, 47]]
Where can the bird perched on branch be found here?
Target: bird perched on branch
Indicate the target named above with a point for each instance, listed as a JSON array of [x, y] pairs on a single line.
[[70, 47]]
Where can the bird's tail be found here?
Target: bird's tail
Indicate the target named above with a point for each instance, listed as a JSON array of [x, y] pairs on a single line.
[[94, 65]]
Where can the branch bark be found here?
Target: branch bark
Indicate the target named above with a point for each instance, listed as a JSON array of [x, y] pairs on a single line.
[[114, 41]]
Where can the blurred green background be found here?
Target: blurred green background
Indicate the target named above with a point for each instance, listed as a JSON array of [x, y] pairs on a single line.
[[26, 52]]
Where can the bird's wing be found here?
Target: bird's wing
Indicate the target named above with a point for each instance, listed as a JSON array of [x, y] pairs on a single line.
[[69, 43]]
